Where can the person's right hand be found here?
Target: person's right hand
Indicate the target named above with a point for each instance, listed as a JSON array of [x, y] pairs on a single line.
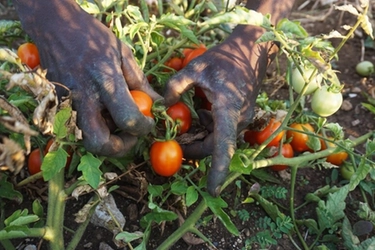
[[84, 55], [230, 75]]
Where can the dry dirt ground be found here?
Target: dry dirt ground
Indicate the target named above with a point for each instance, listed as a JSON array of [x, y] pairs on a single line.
[[355, 119]]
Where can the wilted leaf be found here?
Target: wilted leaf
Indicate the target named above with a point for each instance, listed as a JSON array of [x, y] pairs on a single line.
[[12, 156]]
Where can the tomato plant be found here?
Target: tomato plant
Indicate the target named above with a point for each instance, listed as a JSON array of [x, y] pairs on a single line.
[[261, 136], [298, 82], [326, 102], [299, 139], [181, 114], [143, 101], [174, 63], [34, 161], [28, 53], [193, 54], [166, 157], [287, 152], [364, 68]]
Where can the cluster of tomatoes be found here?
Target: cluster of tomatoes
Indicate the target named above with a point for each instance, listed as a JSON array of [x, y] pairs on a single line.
[[296, 141]]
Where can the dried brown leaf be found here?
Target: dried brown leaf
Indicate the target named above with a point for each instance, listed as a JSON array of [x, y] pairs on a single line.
[[12, 156]]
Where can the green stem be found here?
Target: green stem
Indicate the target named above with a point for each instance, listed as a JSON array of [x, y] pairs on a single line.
[[187, 226], [55, 211], [292, 215]]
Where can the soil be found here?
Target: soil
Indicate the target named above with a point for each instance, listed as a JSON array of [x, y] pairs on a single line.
[[355, 120]]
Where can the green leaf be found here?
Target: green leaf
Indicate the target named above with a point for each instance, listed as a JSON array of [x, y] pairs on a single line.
[[291, 27], [89, 166], [7, 190], [158, 215], [368, 106], [24, 220], [155, 190], [53, 162], [135, 28], [59, 126], [38, 208], [239, 15], [224, 218], [191, 196], [129, 237], [179, 187], [330, 212]]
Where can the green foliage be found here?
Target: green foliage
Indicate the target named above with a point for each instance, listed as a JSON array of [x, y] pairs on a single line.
[[277, 192]]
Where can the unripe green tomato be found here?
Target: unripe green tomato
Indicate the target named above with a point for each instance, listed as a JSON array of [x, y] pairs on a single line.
[[325, 102], [298, 82], [365, 68], [346, 171]]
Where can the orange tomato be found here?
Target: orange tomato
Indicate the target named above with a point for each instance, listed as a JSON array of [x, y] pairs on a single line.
[[143, 101], [299, 139], [174, 63], [28, 53], [287, 152], [166, 157], [192, 55], [336, 158]]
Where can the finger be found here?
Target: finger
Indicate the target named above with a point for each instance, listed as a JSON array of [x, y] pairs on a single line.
[[133, 74], [116, 97], [199, 149], [97, 137], [178, 84], [225, 133]]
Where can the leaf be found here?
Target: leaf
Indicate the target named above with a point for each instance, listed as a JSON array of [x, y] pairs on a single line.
[[224, 218], [7, 190], [191, 196], [368, 106], [291, 27], [59, 125], [350, 240], [239, 15], [158, 215], [349, 8], [38, 208], [24, 220], [331, 211], [240, 163], [53, 162], [179, 187], [129, 237], [89, 165]]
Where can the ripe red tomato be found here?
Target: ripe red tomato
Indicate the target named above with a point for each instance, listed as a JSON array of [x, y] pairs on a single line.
[[193, 54], [143, 101], [187, 51], [28, 53], [34, 162], [181, 114], [260, 136], [166, 157], [174, 63], [336, 158], [287, 152], [299, 139]]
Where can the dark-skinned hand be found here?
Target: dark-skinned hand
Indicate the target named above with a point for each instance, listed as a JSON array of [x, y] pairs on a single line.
[[84, 55], [230, 76]]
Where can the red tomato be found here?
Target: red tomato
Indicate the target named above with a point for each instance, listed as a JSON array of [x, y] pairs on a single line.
[[181, 114], [260, 136], [336, 158], [166, 157], [299, 139], [143, 101], [28, 53], [174, 63], [34, 162], [187, 51], [193, 54], [287, 152]]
